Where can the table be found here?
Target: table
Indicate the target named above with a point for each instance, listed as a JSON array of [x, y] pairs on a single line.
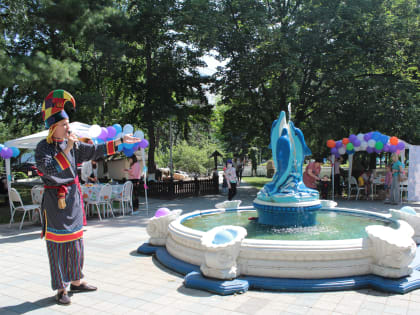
[[378, 181], [89, 192]]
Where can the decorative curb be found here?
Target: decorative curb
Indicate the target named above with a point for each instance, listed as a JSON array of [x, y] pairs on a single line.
[[194, 279]]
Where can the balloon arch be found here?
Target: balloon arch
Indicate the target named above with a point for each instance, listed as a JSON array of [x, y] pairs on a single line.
[[370, 142]]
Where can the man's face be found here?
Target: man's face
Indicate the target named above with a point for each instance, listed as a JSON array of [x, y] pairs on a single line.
[[62, 129]]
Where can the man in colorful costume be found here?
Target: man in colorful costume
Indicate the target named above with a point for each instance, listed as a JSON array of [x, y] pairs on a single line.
[[56, 158]]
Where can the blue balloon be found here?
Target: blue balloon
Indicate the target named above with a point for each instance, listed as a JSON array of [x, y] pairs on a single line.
[[376, 135], [128, 152], [15, 151], [118, 128], [128, 146]]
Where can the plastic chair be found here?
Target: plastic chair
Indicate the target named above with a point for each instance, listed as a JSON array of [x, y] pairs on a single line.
[[36, 194], [403, 188], [103, 200], [14, 196], [355, 186], [126, 197]]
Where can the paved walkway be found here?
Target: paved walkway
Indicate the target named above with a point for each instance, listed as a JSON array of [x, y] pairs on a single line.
[[130, 283]]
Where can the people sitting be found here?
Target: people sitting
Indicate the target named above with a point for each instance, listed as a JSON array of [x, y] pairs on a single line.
[[366, 180]]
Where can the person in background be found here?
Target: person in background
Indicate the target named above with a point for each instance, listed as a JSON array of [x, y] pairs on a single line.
[[397, 169], [311, 174], [337, 176], [231, 179], [388, 181], [134, 173], [89, 172], [325, 185], [367, 181], [224, 184], [239, 169]]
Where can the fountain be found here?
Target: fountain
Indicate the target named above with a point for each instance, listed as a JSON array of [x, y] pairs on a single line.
[[290, 247]]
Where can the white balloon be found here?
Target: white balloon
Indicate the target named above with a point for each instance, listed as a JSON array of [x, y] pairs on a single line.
[[371, 143], [363, 145], [342, 150], [128, 129], [360, 136], [357, 149], [139, 134], [94, 131]]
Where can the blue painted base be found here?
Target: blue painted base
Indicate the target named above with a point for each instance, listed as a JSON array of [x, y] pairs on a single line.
[[286, 216], [195, 280]]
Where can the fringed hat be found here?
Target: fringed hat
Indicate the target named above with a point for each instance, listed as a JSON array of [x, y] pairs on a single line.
[[53, 107]]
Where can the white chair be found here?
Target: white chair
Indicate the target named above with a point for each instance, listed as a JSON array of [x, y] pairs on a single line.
[[102, 200], [14, 197], [36, 194], [403, 188], [355, 186], [125, 198]]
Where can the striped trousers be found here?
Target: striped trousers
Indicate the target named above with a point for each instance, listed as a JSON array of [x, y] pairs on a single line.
[[66, 262]]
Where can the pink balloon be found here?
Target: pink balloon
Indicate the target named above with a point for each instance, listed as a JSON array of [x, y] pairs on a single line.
[[162, 212]]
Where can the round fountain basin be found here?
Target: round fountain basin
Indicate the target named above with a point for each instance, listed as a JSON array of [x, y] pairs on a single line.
[[327, 225]]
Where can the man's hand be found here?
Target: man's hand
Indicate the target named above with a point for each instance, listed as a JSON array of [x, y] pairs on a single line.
[[71, 140]]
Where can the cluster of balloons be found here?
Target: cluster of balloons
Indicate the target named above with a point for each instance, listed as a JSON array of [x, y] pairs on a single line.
[[7, 153], [370, 142], [102, 134]]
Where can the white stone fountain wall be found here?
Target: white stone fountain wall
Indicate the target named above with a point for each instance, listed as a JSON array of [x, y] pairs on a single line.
[[307, 259]]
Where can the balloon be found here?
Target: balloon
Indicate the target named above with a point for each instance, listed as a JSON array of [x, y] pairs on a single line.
[[128, 129], [111, 132], [94, 131], [345, 141], [338, 144], [117, 128], [369, 149], [99, 140], [128, 146], [392, 148], [357, 142], [350, 152], [357, 149], [379, 145], [349, 146], [15, 152], [371, 143], [377, 151], [334, 150], [342, 150], [128, 152], [144, 144], [352, 138], [360, 136], [376, 135], [363, 145], [393, 140], [368, 136], [400, 145], [162, 212], [1, 147], [8, 153], [337, 155], [104, 133], [384, 139], [386, 147], [139, 134]]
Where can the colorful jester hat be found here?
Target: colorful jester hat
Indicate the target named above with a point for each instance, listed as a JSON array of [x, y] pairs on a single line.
[[53, 107]]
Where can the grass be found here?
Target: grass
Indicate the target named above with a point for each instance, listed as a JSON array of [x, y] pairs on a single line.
[[257, 182]]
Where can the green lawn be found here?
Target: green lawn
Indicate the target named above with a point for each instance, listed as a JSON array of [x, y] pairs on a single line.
[[257, 182]]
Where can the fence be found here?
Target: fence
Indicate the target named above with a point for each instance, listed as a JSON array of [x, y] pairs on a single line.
[[180, 189], [261, 171]]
